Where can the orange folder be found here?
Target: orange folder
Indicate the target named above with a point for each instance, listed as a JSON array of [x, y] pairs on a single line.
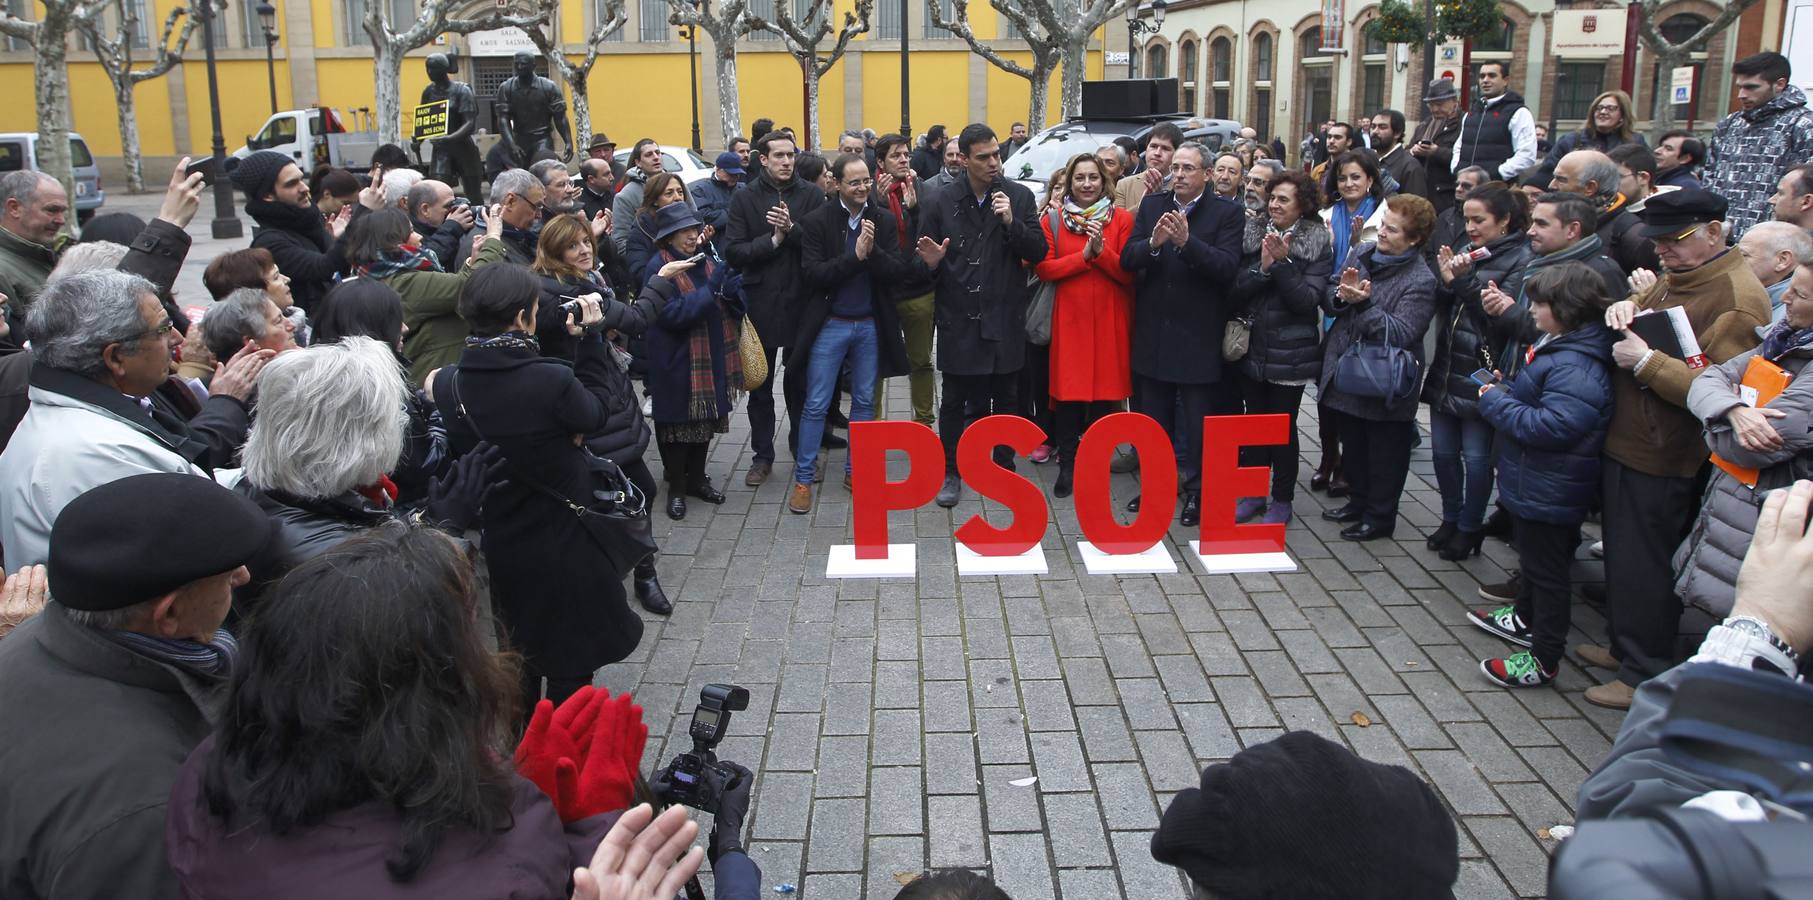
[[1768, 380]]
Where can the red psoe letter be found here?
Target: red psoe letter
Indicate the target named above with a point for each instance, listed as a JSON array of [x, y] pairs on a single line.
[[1023, 499], [1158, 483], [1224, 480], [872, 494]]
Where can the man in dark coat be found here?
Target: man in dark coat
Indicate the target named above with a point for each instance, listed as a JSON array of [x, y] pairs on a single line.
[[852, 262], [712, 196], [441, 224], [1433, 142], [1185, 248], [289, 225], [1388, 143], [976, 238], [111, 686], [1594, 176], [598, 187], [764, 246], [928, 157]]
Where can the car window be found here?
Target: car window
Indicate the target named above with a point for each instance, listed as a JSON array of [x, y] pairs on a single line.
[[12, 156], [670, 163], [277, 132], [698, 161], [78, 153], [1052, 151]]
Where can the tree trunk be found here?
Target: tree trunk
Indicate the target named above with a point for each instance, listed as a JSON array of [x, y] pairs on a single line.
[[1661, 106], [51, 83], [129, 143], [1075, 62], [810, 71], [582, 107], [387, 65], [731, 118], [1041, 89]]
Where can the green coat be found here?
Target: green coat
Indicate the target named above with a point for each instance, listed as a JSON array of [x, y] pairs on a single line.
[[431, 303], [24, 267]]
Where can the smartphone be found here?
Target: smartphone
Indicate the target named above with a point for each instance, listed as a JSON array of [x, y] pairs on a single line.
[[697, 258], [1483, 377], [208, 166]]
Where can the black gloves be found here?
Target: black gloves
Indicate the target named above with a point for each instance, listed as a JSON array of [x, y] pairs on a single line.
[[733, 808], [455, 499]]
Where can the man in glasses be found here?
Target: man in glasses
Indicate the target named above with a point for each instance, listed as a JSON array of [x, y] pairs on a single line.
[[1654, 454]]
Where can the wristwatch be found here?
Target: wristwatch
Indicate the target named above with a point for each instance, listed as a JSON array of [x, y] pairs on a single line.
[[1748, 643], [1758, 628]]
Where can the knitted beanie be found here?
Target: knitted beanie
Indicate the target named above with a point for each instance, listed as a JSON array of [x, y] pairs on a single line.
[[1303, 817], [256, 175]]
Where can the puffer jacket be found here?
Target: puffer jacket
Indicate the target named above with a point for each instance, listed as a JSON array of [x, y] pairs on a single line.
[[302, 529], [1706, 564], [1553, 416], [1402, 303], [1750, 152], [1461, 330], [1285, 305]]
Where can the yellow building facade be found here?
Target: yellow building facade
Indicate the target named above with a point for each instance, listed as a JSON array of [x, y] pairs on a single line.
[[638, 87]]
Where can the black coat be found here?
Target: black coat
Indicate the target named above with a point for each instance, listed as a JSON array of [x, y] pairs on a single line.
[[1438, 172], [1286, 308], [1621, 233], [444, 240], [310, 256], [980, 307], [301, 530], [1461, 329], [926, 161], [1184, 296], [625, 434], [1412, 177], [771, 276], [639, 244], [1450, 231], [828, 265], [553, 587]]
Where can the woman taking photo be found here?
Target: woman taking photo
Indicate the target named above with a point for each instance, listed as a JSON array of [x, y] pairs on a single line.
[[383, 247], [1092, 312], [1385, 293], [694, 369], [1496, 216], [1281, 280], [553, 586], [662, 190]]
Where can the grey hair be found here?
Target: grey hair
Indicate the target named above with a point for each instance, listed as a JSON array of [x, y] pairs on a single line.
[[89, 257], [397, 183], [1276, 167], [302, 442], [422, 192], [1599, 169], [851, 132], [1203, 152], [229, 323], [1119, 152], [76, 316], [22, 185], [541, 169], [125, 618], [513, 181], [1779, 236], [1484, 175]]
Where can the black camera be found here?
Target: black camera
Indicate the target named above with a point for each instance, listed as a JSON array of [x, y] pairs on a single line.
[[696, 778], [573, 308]]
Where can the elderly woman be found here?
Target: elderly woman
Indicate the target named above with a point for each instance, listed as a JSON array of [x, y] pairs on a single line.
[[254, 267], [1355, 191], [1613, 124], [1760, 442], [246, 316], [1385, 293], [1282, 276], [383, 246], [642, 245]]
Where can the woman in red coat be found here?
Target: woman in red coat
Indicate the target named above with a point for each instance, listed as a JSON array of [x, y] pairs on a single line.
[[1092, 316]]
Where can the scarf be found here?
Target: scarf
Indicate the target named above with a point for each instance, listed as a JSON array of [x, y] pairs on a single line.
[[1076, 218], [214, 658], [1382, 260], [897, 206], [1586, 248], [1308, 238], [305, 221], [407, 258], [382, 492], [1340, 221], [509, 340], [701, 382], [1783, 338]]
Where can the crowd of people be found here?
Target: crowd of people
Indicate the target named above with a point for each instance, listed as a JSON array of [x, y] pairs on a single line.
[[297, 579]]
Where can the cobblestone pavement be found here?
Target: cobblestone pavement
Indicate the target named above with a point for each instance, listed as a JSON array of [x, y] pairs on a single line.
[[888, 720]]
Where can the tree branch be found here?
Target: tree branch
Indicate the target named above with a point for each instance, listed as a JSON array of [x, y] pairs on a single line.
[[854, 24], [961, 28], [168, 55]]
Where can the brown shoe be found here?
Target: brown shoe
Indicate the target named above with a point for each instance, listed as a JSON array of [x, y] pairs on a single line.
[[1616, 695], [799, 501], [758, 473], [1595, 655]]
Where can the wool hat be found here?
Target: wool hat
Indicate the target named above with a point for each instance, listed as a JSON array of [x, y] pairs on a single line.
[[255, 175], [1673, 214], [1303, 817], [730, 162], [1440, 89], [675, 217], [144, 536]]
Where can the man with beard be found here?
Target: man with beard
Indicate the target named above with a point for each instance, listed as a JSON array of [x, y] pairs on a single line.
[[1754, 147], [897, 191], [1252, 193], [1387, 142], [560, 196], [289, 225], [1339, 139]]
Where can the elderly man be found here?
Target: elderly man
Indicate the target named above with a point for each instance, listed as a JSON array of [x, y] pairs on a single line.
[[1160, 144], [1754, 147], [1653, 451], [519, 196], [1252, 195], [102, 346], [397, 183], [33, 210], [1594, 176], [1433, 143], [1792, 201], [1227, 175], [120, 676], [437, 220], [597, 187], [1114, 162], [248, 316], [1774, 250], [559, 196]]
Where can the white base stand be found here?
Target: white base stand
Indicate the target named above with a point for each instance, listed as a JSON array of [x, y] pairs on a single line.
[[1234, 563], [1153, 560], [902, 561], [1032, 562]]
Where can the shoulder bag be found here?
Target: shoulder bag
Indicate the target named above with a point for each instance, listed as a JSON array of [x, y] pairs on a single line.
[[1376, 369], [755, 360], [1236, 338], [616, 518], [1044, 296]]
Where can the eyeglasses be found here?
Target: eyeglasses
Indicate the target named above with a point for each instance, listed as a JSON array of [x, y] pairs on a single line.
[[165, 328], [859, 183], [1608, 107]]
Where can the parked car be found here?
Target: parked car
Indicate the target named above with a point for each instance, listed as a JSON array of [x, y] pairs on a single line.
[[1049, 150], [679, 160], [312, 137], [19, 150]]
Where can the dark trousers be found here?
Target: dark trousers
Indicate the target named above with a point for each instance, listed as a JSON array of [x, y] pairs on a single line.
[[1328, 431], [1265, 398], [559, 688], [1545, 552], [1179, 408], [683, 462], [1646, 517], [761, 406], [1070, 419], [971, 397], [1377, 463], [1035, 389]]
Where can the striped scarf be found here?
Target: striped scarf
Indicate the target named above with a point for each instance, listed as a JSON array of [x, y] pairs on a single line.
[[213, 658], [701, 384]]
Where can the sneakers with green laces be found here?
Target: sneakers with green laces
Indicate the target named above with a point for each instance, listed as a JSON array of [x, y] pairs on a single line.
[[1503, 622], [1516, 670]]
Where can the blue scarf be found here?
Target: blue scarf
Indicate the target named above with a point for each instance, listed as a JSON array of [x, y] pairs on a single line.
[[213, 658], [1783, 338], [1341, 222]]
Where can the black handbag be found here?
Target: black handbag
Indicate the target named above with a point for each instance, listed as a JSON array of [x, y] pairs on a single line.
[[616, 519], [1377, 370]]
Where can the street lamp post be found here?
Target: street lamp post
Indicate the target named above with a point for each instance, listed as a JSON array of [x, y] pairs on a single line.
[[226, 221], [692, 70], [1137, 26], [906, 128], [267, 20]]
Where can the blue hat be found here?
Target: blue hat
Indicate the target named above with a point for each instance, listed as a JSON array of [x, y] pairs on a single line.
[[730, 162], [675, 217]]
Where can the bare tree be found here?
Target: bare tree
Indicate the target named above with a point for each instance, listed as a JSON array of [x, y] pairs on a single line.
[[611, 17], [114, 53], [389, 46], [49, 37], [725, 22], [1670, 56], [1058, 33], [802, 40]]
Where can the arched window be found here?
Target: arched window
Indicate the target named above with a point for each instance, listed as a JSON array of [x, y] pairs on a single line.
[[1310, 44], [1371, 44], [1221, 74], [1677, 29], [1498, 41], [1155, 61], [1186, 76], [1262, 57]]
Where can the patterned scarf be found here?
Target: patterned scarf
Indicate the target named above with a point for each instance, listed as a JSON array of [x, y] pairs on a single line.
[[213, 658], [1077, 218], [1783, 338], [509, 340], [701, 385], [407, 258]]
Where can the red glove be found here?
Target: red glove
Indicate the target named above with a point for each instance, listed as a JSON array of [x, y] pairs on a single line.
[[541, 751], [607, 776]]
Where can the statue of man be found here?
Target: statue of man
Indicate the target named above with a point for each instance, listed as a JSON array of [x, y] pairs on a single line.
[[456, 154], [529, 109]]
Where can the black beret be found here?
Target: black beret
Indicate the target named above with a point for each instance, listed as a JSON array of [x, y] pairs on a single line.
[[1672, 213], [256, 174], [1303, 817], [144, 536]]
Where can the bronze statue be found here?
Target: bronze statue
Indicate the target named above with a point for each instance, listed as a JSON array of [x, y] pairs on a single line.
[[455, 154], [529, 109]]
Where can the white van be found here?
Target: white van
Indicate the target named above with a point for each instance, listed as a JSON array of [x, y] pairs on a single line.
[[19, 150]]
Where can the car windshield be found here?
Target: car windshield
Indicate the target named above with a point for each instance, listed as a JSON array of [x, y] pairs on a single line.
[[1052, 151]]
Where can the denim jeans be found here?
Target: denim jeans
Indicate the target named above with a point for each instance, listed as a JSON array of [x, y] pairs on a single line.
[[1463, 467], [855, 340]]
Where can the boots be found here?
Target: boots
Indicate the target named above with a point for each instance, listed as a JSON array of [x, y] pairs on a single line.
[[1328, 470], [648, 589], [1066, 480]]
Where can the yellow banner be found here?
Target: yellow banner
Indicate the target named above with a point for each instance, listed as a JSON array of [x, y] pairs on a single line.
[[430, 120]]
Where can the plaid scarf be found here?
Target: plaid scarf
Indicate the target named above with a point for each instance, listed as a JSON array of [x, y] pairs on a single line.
[[701, 385], [407, 258]]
